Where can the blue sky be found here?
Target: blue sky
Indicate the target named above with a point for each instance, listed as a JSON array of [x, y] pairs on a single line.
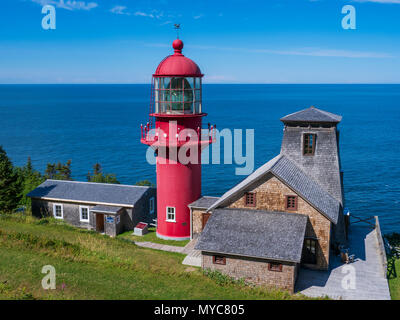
[[235, 41]]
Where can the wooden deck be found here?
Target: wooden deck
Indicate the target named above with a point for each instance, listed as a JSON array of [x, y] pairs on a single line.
[[370, 284]]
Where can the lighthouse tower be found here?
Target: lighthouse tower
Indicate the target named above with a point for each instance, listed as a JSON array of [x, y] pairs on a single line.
[[175, 133]]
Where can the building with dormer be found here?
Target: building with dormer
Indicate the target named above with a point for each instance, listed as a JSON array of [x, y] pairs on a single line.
[[286, 214]]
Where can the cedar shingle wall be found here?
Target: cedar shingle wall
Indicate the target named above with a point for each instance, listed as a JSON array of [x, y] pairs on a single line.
[[271, 196], [197, 221], [324, 165]]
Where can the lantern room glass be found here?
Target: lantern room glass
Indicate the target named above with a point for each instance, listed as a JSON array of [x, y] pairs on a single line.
[[177, 95]]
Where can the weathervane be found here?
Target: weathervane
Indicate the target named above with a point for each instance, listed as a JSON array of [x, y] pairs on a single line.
[[177, 27]]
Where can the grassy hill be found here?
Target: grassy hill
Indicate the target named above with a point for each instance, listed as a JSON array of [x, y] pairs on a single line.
[[92, 266], [394, 283]]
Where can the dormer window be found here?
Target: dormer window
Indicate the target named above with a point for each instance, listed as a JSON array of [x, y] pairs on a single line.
[[291, 202], [309, 140], [250, 199]]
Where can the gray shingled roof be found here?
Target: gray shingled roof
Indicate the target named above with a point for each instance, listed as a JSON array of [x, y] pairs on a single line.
[[312, 114], [99, 193], [203, 202], [294, 177], [254, 233], [106, 209]]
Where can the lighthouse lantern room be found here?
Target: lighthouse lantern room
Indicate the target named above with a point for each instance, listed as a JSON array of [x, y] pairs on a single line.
[[176, 105]]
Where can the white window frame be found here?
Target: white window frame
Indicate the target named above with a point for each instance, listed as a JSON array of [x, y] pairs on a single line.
[[80, 213], [170, 220], [54, 210], [151, 205]]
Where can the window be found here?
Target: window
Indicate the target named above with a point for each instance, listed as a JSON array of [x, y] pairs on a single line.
[[171, 214], [276, 267], [84, 213], [250, 199], [151, 205], [177, 95], [291, 202], [219, 260], [58, 211], [310, 251], [309, 144]]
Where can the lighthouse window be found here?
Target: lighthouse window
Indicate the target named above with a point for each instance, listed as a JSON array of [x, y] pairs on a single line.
[[171, 214], [177, 95], [309, 144]]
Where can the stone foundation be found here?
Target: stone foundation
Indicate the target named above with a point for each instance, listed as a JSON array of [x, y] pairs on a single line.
[[254, 271]]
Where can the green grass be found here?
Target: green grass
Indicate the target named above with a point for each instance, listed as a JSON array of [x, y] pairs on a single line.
[[152, 237], [93, 266], [394, 283]]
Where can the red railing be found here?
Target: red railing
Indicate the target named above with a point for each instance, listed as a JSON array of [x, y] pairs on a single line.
[[151, 135]]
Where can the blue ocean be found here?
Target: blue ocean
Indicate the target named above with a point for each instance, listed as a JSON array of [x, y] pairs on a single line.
[[101, 123]]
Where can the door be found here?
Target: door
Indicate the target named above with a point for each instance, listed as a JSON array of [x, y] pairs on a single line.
[[205, 219], [99, 222], [310, 251]]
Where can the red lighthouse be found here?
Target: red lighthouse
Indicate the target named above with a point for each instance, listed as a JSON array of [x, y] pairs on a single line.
[[176, 136]]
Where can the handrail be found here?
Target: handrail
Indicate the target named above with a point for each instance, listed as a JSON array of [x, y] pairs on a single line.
[[149, 134]]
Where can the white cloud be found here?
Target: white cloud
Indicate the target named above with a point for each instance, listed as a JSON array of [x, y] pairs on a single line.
[[119, 10], [69, 4], [166, 22], [153, 14], [143, 14], [198, 16]]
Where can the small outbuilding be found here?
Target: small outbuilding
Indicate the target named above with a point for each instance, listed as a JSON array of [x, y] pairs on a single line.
[[106, 208]]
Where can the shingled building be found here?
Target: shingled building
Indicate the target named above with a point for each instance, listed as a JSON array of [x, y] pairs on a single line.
[[287, 213], [106, 208]]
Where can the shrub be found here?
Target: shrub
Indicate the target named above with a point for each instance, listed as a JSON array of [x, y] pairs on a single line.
[[222, 279], [393, 238]]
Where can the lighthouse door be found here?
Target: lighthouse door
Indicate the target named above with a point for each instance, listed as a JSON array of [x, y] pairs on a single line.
[[205, 219]]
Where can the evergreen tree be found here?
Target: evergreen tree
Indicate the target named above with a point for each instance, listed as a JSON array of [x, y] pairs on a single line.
[[29, 180], [10, 186], [146, 183], [28, 166], [98, 176], [97, 168], [58, 171], [50, 171]]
